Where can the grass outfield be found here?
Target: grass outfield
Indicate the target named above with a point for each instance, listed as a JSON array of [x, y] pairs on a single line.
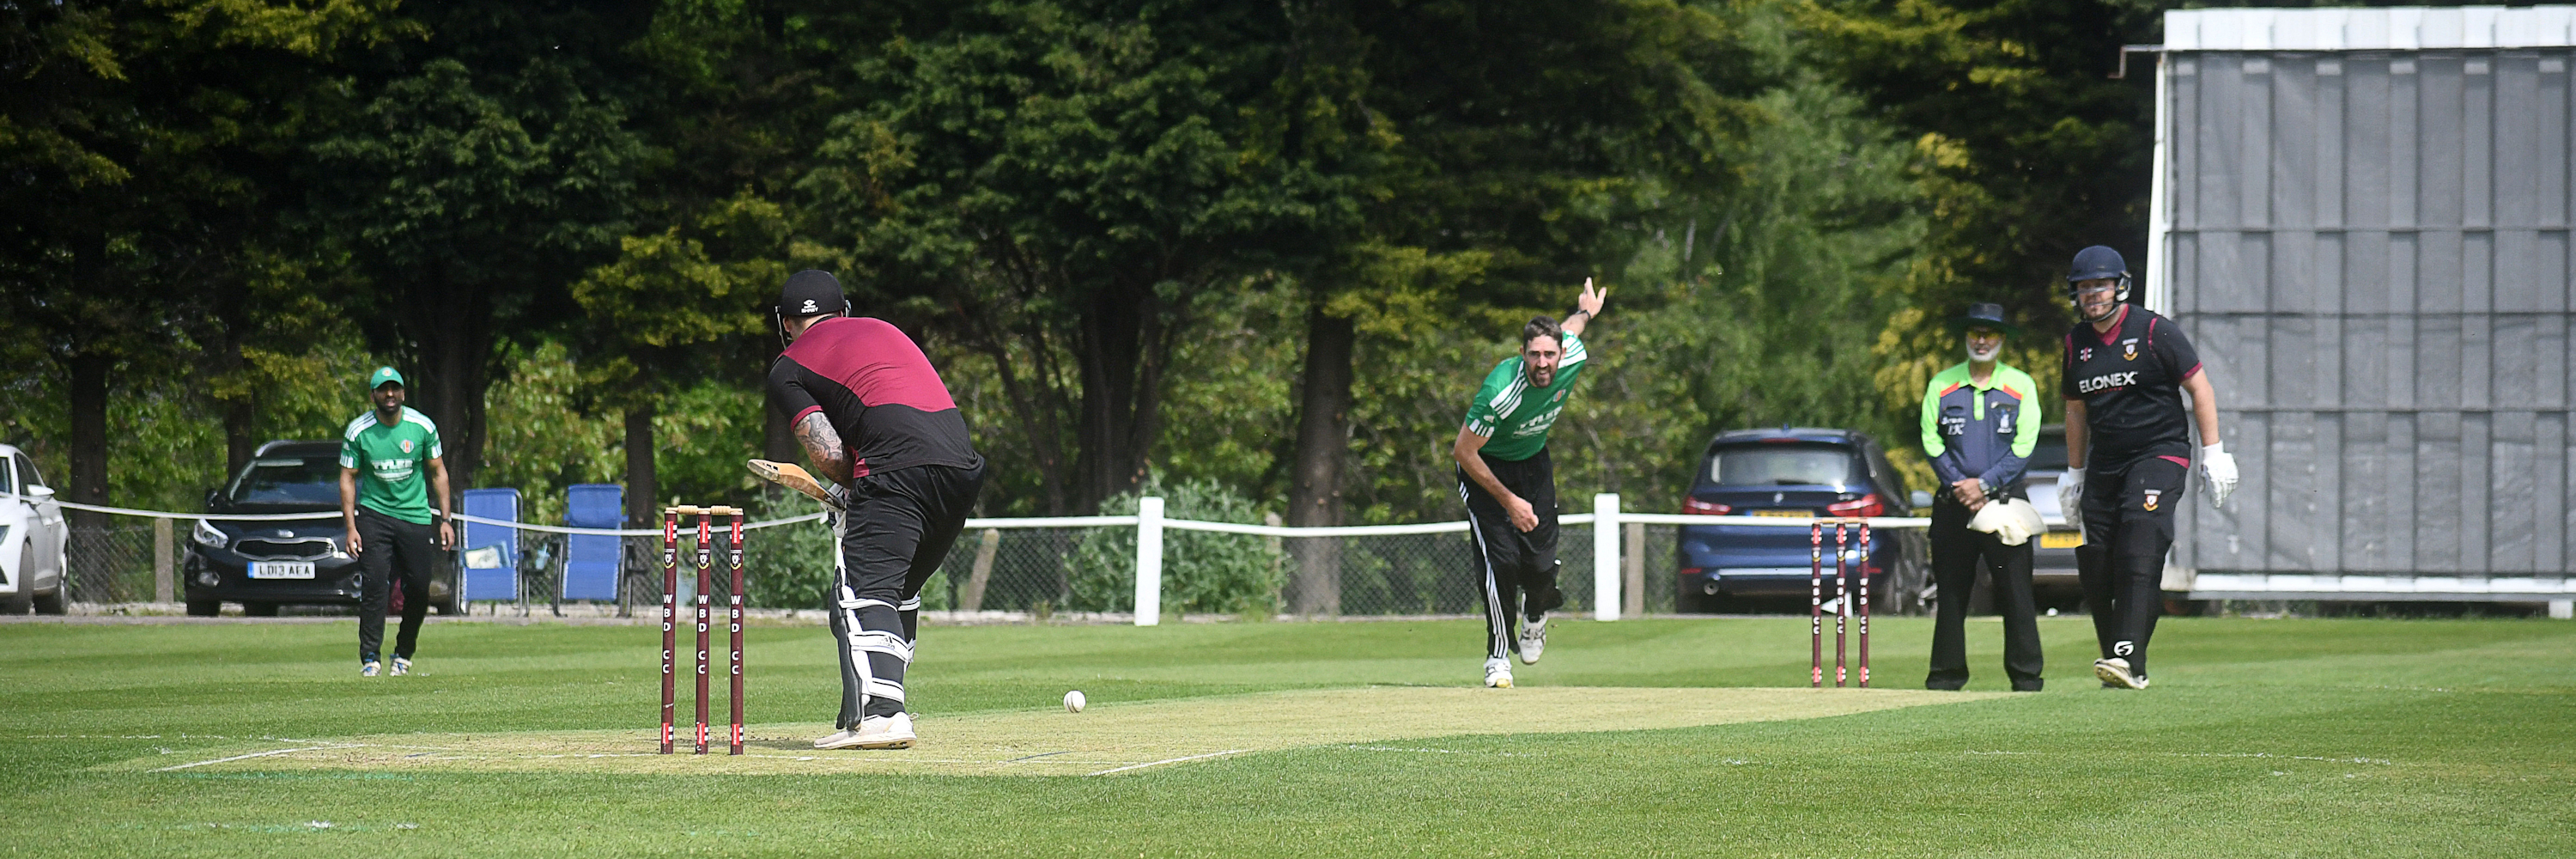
[[2261, 737]]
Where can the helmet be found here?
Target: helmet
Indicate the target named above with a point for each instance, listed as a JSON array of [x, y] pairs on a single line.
[[2096, 263]]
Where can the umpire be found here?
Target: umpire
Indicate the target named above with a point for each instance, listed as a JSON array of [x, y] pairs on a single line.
[[1980, 422]]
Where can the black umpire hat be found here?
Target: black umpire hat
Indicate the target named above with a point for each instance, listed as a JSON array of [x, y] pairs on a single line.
[[812, 292], [1984, 314]]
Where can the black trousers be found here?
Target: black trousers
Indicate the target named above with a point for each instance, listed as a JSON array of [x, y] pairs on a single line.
[[1956, 555], [1516, 569], [392, 547], [2128, 527], [898, 526]]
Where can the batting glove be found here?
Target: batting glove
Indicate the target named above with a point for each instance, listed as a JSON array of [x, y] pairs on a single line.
[[837, 497], [2070, 496], [2219, 468]]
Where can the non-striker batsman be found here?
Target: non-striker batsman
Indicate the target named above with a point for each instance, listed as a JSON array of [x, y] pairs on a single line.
[[2128, 452], [877, 422], [1510, 487]]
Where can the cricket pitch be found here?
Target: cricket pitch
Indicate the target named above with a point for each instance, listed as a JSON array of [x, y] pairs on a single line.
[[1107, 738]]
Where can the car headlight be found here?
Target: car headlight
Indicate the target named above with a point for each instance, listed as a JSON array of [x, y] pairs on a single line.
[[206, 535]]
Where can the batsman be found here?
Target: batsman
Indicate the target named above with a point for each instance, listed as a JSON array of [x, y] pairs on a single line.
[[2129, 450], [879, 425]]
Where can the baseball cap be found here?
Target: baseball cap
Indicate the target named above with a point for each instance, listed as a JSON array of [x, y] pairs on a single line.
[[811, 292], [384, 376]]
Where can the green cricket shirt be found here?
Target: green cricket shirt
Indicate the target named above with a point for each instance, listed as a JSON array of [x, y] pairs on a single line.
[[1517, 415], [390, 461]]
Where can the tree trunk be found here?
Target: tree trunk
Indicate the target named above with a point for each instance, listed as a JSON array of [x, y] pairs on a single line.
[[1323, 442], [89, 372], [642, 493], [1123, 349], [452, 331], [777, 438], [239, 438]]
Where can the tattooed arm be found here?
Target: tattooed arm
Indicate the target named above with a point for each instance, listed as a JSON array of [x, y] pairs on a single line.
[[823, 447]]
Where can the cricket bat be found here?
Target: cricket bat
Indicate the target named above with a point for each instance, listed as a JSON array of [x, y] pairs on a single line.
[[792, 476]]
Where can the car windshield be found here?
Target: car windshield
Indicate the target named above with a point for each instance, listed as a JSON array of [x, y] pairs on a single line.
[[8, 476], [1782, 465], [290, 481]]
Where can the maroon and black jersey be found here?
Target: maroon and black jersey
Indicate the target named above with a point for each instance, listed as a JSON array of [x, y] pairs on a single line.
[[2130, 380], [879, 392]]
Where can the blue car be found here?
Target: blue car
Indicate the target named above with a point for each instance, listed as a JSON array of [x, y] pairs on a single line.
[[1794, 472]]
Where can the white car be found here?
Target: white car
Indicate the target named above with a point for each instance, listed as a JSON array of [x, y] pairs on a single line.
[[33, 537]]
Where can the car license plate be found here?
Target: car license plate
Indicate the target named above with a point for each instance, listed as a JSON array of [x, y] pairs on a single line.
[[281, 569], [2061, 539], [1784, 514]]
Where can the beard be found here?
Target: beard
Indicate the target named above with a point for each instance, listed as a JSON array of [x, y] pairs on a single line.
[[1985, 356]]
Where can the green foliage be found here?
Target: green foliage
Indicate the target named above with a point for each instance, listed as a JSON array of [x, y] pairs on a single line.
[[1202, 571], [790, 566], [541, 443], [2026, 149]]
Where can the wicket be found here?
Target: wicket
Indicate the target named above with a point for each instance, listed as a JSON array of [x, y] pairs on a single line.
[[1843, 597], [670, 615]]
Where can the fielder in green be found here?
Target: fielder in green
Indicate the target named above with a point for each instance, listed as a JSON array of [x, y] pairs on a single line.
[[1510, 487], [390, 468]]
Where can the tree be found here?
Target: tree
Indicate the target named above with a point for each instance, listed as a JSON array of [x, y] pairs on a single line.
[[1491, 150], [473, 184], [1064, 180], [135, 137], [2030, 151]]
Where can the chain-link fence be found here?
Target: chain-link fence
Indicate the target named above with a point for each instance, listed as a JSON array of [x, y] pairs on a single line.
[[1022, 569], [111, 563]]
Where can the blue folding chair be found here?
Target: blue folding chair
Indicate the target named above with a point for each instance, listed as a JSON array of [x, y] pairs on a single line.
[[591, 560], [490, 556]]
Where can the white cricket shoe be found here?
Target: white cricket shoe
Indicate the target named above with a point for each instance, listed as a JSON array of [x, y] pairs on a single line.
[[1498, 673], [2115, 672], [402, 666], [841, 739], [1533, 640], [884, 732]]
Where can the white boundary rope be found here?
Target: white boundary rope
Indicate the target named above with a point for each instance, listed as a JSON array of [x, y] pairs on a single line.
[[1089, 522]]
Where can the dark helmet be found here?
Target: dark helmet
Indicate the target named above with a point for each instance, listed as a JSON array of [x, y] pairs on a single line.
[[2097, 263]]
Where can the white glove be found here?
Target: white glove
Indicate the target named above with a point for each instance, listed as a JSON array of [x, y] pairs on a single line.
[[2070, 496], [2219, 468], [837, 497]]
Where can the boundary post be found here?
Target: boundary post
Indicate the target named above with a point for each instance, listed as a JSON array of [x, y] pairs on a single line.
[[1149, 561], [1605, 556]]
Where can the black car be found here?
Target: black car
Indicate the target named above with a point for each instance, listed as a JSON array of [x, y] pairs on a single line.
[[263, 565], [1794, 472]]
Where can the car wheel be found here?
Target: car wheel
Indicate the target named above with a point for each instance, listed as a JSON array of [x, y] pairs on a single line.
[[446, 608], [259, 609], [204, 607], [58, 602]]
